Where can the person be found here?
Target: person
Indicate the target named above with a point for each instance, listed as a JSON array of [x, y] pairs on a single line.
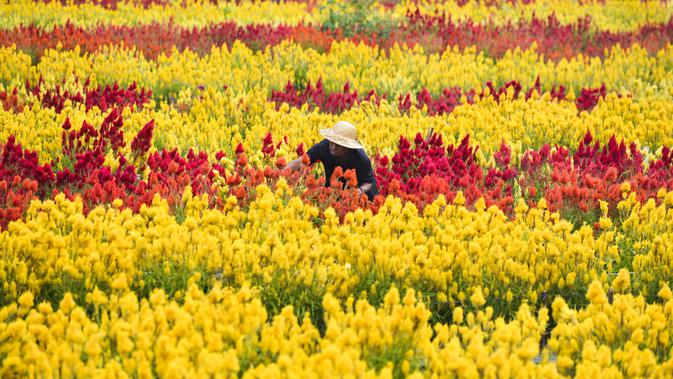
[[341, 148]]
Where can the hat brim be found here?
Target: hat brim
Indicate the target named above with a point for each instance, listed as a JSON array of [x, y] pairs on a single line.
[[339, 140]]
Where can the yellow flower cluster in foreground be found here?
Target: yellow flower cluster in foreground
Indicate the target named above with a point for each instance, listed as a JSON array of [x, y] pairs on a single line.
[[447, 251], [630, 71], [211, 121], [224, 332], [620, 337], [612, 15]]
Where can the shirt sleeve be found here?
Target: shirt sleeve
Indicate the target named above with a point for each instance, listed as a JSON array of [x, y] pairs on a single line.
[[363, 169], [317, 151]]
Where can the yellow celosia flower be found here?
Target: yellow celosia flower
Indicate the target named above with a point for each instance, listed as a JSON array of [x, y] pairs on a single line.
[[622, 282], [665, 293], [120, 282], [26, 300], [477, 298], [596, 295]]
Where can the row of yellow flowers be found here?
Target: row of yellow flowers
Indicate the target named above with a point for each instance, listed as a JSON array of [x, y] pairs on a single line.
[[192, 14], [611, 15], [224, 332], [448, 255], [211, 121], [632, 70], [448, 250]]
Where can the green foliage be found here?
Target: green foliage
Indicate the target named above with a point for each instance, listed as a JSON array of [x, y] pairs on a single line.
[[396, 354], [172, 277], [180, 213], [301, 75], [355, 17], [281, 291], [579, 218], [53, 294], [253, 356], [168, 92]]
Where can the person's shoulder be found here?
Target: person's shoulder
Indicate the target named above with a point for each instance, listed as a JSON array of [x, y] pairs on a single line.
[[362, 155], [323, 144]]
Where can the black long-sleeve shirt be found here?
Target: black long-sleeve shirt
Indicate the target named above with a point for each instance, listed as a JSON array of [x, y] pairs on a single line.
[[355, 159]]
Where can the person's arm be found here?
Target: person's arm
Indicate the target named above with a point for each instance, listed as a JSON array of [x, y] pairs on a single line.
[[314, 154], [365, 175], [295, 164], [365, 187]]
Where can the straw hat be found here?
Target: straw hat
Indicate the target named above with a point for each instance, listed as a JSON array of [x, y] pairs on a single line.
[[343, 133]]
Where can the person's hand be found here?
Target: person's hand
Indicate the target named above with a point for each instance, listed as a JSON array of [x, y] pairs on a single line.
[[360, 192]]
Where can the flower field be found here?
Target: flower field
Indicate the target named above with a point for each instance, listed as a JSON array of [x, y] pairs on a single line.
[[150, 226]]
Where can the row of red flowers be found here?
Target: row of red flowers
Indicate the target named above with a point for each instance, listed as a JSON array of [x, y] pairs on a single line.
[[110, 96], [315, 96], [113, 4], [572, 183], [108, 4], [553, 39], [435, 33]]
